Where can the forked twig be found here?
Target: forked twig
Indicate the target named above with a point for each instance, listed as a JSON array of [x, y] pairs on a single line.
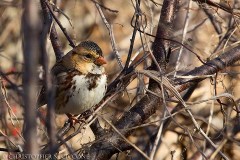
[[71, 43]]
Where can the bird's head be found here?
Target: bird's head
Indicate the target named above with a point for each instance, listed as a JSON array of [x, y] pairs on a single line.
[[88, 56]]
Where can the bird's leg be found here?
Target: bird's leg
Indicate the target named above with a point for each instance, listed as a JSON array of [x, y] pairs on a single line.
[[72, 119]]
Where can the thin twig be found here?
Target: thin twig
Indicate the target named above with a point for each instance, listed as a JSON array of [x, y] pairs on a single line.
[[173, 90], [112, 37], [4, 93], [104, 7], [213, 19], [211, 111], [158, 136], [125, 139], [218, 5], [185, 28], [137, 13], [71, 43], [175, 41], [57, 9], [214, 154], [195, 144], [13, 85]]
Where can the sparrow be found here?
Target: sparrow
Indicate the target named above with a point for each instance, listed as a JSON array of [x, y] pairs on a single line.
[[80, 80]]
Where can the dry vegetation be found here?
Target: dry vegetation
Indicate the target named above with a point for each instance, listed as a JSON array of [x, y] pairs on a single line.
[[189, 114]]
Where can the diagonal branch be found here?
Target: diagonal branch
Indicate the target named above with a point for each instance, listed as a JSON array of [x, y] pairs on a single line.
[[71, 43], [213, 66]]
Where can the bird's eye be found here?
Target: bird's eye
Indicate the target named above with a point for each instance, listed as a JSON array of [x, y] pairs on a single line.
[[88, 56]]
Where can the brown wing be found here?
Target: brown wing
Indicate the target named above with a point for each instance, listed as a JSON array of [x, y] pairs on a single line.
[[57, 69]]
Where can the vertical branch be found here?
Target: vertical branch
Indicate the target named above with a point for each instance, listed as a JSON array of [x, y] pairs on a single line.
[[50, 90], [160, 46], [31, 49]]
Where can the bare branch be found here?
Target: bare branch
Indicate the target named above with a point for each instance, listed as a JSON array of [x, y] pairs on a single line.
[[31, 50], [56, 43], [49, 88]]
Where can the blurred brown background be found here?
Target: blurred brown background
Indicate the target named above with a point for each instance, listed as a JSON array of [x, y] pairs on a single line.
[[83, 22]]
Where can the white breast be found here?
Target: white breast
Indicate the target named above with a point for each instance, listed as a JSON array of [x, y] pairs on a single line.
[[83, 98]]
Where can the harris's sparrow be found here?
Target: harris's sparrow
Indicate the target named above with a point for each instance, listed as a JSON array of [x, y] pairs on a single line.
[[80, 80]]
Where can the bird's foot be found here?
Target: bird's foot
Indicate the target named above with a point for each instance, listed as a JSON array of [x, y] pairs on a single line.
[[72, 119]]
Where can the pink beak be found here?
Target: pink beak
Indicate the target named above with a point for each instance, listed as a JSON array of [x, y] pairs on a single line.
[[100, 61]]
